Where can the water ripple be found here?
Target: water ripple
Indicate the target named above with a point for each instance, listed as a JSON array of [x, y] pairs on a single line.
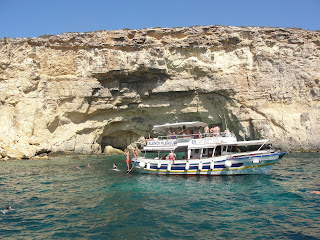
[[54, 200]]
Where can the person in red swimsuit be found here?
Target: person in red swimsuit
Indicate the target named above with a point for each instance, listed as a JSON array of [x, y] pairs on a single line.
[[127, 159], [136, 152], [172, 156]]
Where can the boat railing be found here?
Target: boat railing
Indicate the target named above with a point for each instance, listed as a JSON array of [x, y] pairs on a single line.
[[252, 154], [197, 135], [257, 153]]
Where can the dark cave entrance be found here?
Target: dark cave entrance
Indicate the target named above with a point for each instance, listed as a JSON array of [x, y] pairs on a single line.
[[119, 139]]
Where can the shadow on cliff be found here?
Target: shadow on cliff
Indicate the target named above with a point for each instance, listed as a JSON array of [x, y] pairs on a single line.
[[142, 80]]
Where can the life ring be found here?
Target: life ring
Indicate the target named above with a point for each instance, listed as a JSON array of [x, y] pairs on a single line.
[[227, 164], [212, 165], [187, 166], [142, 164], [200, 166]]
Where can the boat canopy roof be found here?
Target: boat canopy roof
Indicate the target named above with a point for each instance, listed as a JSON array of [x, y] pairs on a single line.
[[160, 128]]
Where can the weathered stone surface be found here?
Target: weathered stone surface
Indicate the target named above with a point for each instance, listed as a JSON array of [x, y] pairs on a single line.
[[80, 92], [109, 150]]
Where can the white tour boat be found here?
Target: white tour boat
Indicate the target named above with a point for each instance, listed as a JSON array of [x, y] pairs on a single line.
[[215, 153]]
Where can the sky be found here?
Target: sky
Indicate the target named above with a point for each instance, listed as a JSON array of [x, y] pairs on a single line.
[[32, 18]]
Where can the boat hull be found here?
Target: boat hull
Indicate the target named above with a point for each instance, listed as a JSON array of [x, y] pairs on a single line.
[[261, 164]]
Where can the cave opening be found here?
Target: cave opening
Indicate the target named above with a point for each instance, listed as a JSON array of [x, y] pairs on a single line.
[[119, 139]]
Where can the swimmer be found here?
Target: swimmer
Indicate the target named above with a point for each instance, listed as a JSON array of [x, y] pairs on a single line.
[[115, 168], [88, 165], [8, 208], [314, 192], [77, 167]]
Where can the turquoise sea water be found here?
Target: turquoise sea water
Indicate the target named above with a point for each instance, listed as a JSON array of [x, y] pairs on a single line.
[[54, 200]]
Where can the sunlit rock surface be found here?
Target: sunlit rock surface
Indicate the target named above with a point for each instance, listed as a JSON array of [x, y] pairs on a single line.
[[81, 92]]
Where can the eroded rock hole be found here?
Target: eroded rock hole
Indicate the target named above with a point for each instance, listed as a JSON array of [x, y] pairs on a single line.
[[118, 139]]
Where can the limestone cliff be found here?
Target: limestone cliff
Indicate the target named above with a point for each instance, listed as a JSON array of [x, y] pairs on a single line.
[[79, 92]]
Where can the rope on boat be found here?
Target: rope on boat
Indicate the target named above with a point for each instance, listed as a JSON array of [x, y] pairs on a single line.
[[131, 168]]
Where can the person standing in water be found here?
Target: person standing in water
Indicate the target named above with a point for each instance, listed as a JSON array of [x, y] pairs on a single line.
[[127, 159]]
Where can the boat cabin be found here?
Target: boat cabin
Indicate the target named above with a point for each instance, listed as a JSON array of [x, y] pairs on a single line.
[[191, 150]]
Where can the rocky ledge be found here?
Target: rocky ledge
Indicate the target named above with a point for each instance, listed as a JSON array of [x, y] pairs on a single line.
[[81, 92]]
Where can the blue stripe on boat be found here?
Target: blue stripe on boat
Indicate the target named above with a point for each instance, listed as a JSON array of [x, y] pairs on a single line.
[[193, 167]]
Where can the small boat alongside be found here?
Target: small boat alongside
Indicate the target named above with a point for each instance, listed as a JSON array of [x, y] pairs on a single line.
[[187, 151]]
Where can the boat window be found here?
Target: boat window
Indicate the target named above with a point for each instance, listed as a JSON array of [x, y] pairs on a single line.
[[210, 151], [163, 155], [218, 151], [236, 149], [195, 154], [266, 146], [242, 149], [181, 155]]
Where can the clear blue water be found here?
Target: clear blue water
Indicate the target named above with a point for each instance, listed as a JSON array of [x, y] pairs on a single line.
[[54, 200]]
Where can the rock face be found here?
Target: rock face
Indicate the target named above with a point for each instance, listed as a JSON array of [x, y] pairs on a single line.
[[80, 92]]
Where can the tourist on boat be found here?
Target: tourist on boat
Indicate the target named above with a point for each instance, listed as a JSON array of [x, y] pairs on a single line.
[[227, 132], [174, 136], [179, 131], [206, 131], [216, 131], [197, 133], [184, 130], [200, 132], [127, 159], [148, 139], [211, 131], [183, 133], [172, 156], [187, 132], [136, 152], [170, 133]]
